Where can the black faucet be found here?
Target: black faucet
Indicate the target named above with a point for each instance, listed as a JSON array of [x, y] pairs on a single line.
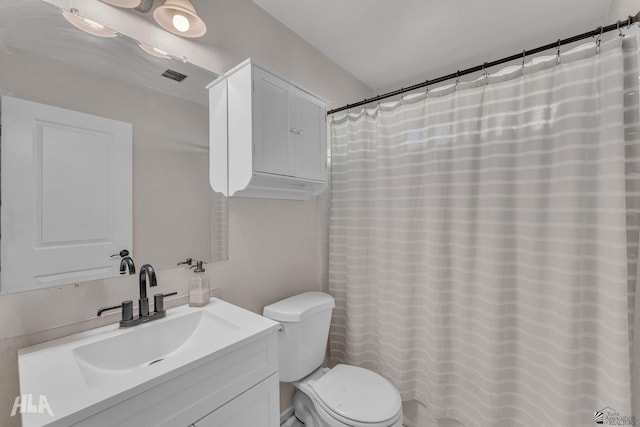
[[126, 264], [146, 271]]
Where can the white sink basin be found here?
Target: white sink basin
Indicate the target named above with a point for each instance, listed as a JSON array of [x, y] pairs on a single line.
[[102, 367], [111, 358]]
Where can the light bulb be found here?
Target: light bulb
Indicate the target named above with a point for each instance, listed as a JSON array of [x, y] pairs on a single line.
[[179, 17], [180, 22]]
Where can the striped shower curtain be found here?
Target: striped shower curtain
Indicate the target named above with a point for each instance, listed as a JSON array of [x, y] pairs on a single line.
[[484, 243]]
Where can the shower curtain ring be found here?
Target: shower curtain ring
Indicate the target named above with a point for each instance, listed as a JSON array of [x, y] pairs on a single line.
[[524, 56], [559, 44], [599, 39], [485, 74], [457, 77], [619, 29], [426, 85]]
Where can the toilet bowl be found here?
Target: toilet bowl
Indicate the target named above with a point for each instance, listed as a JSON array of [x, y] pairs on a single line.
[[345, 396]]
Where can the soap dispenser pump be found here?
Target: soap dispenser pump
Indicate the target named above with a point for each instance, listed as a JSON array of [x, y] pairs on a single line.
[[198, 286]]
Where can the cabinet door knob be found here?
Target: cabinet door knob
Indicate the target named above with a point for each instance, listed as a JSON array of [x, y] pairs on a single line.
[[296, 131]]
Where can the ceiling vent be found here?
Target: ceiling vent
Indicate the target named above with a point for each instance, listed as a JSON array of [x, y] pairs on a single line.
[[174, 75]]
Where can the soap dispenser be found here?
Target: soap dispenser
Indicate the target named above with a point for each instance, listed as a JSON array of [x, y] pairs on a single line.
[[198, 286]]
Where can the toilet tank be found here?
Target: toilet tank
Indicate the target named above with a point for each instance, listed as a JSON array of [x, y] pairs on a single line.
[[302, 342]]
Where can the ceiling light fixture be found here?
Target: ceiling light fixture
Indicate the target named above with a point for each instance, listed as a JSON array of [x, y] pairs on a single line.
[[129, 4], [87, 25], [179, 17], [154, 51]]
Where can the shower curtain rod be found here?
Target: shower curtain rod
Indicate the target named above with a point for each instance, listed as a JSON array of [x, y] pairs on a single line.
[[597, 32]]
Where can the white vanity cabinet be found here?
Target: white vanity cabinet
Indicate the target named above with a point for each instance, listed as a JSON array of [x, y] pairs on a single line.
[[210, 366], [268, 136]]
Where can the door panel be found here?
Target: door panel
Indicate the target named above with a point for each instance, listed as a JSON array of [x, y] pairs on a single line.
[[66, 195], [75, 201]]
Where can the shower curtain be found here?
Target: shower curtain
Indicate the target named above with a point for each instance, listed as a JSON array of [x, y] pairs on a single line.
[[484, 242]]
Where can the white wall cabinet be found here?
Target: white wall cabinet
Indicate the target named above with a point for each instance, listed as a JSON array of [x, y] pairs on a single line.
[[268, 137]]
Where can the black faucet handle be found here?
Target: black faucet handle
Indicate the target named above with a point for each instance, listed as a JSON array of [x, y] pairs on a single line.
[[158, 301], [103, 309], [187, 261], [127, 309]]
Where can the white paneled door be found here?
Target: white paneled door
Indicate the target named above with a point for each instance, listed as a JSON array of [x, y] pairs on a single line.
[[66, 195]]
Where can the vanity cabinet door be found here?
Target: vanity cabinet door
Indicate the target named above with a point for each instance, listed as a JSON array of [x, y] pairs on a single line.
[[257, 407]]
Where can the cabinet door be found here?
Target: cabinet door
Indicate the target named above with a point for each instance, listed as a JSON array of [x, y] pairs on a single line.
[[310, 142], [272, 152], [257, 407]]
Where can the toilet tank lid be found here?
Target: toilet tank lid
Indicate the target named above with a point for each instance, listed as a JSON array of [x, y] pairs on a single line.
[[299, 307]]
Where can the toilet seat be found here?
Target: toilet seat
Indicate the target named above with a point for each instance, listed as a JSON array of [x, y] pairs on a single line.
[[357, 397]]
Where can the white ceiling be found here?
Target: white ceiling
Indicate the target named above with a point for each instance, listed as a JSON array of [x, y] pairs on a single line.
[[393, 42]]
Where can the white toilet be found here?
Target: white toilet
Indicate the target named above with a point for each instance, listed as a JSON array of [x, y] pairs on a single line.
[[345, 396]]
